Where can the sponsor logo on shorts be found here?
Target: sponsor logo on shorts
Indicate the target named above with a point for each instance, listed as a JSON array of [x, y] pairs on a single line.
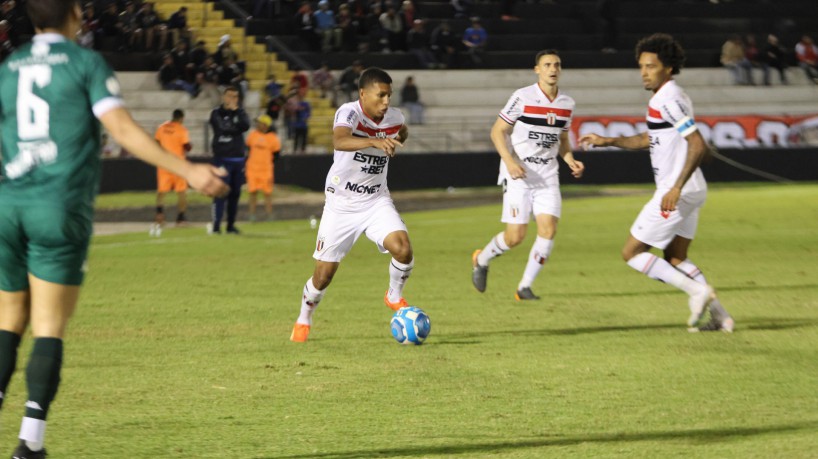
[[330, 189], [362, 189], [537, 160]]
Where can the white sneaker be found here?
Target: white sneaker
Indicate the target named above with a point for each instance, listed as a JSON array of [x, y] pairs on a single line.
[[209, 228], [156, 230], [698, 303]]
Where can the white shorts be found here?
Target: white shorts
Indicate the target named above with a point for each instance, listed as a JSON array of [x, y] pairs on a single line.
[[520, 203], [657, 229], [338, 231]]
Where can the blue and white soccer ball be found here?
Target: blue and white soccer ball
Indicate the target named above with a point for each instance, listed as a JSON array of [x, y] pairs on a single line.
[[410, 325]]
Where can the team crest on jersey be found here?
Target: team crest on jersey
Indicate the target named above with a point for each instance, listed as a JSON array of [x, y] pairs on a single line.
[[381, 134], [551, 118], [113, 86], [319, 246]]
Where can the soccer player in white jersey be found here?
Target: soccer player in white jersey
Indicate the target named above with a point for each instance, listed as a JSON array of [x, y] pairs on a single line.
[[530, 132], [669, 220], [366, 133]]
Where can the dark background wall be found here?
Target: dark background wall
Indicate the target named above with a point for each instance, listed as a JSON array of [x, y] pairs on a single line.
[[441, 170]]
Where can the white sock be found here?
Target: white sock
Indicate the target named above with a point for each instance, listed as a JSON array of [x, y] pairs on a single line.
[[659, 269], [539, 254], [398, 273], [692, 271], [496, 247], [33, 432], [309, 301]]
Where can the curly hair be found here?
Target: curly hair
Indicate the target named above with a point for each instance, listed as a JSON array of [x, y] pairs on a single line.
[[668, 50]]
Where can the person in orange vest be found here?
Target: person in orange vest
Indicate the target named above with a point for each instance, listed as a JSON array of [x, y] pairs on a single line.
[[174, 137], [264, 145]]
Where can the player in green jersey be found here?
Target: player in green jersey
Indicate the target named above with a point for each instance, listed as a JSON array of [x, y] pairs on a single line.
[[53, 96]]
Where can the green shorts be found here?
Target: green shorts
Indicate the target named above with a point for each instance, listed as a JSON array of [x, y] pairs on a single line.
[[49, 242]]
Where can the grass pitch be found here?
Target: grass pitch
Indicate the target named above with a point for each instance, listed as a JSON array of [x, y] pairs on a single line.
[[180, 349]]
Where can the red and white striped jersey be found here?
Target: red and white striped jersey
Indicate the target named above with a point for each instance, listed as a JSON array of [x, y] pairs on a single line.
[[538, 122], [357, 178], [670, 120]]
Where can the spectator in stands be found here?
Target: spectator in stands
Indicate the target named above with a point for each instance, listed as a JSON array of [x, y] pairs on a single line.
[[776, 57], [376, 35], [408, 14], [348, 82], [305, 22], [290, 107], [327, 28], [410, 98], [300, 121], [462, 8], [90, 19], [20, 27], [170, 79], [207, 79], [752, 54], [475, 39], [263, 8], [230, 75], [152, 27], [417, 41], [323, 80], [224, 50], [85, 37], [807, 54], [273, 87], [444, 44], [392, 24], [733, 58], [177, 25], [349, 26], [130, 26], [300, 81], [111, 28], [198, 54], [6, 46], [181, 59], [275, 105]]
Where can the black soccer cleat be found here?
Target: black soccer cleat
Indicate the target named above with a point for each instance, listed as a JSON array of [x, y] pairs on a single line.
[[233, 230], [525, 294], [22, 452]]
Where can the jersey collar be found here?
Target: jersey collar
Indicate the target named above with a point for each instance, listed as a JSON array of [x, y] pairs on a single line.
[[49, 37]]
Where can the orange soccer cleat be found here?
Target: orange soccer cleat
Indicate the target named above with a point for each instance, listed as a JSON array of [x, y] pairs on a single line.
[[300, 333], [394, 306]]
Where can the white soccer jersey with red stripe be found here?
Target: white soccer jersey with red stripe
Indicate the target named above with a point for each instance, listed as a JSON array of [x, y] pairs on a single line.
[[670, 119], [357, 178], [538, 122]]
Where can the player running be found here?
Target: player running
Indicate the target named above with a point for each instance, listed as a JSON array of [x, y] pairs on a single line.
[[530, 132], [173, 136], [366, 133], [53, 95], [669, 220]]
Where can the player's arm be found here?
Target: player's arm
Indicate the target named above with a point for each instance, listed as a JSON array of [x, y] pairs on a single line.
[[343, 140], [696, 150], [577, 168], [127, 133], [634, 142], [403, 134], [500, 135]]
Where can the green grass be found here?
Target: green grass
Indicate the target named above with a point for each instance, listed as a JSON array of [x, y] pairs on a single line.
[[180, 349]]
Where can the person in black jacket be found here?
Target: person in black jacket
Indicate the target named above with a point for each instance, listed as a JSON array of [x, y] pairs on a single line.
[[229, 122]]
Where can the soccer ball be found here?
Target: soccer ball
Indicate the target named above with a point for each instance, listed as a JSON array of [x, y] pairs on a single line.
[[410, 325]]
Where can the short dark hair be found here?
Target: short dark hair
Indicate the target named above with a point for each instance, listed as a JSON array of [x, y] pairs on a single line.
[[545, 52], [668, 50], [50, 14], [373, 75], [178, 114], [231, 88]]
